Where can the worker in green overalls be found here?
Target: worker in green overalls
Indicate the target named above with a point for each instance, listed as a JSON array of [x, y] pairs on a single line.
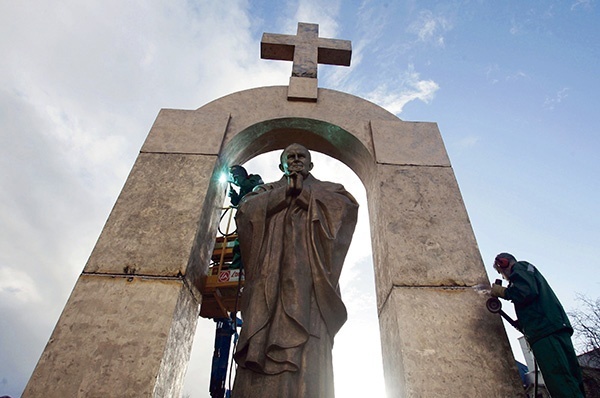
[[246, 183], [544, 324]]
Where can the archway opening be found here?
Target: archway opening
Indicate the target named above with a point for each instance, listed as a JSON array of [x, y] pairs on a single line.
[[357, 359]]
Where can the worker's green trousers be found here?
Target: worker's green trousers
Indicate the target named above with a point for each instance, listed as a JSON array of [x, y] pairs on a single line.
[[557, 360]]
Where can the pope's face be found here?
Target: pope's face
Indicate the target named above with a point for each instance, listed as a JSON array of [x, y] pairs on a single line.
[[296, 160]]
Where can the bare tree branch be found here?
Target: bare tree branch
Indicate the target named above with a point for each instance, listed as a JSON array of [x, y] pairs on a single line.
[[586, 324]]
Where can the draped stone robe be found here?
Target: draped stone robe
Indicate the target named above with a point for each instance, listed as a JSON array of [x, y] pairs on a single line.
[[293, 252]]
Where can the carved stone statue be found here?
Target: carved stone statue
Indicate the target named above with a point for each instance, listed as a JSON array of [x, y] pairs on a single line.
[[294, 235]]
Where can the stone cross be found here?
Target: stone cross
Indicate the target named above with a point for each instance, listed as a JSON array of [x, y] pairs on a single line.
[[306, 49]]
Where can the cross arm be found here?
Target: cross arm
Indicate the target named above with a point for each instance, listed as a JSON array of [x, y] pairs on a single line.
[[334, 52], [276, 46]]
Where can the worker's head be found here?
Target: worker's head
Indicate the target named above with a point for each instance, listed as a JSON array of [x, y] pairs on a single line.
[[295, 159], [238, 173], [503, 263]]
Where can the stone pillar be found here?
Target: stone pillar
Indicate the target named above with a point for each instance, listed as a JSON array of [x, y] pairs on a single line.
[[128, 327], [439, 340]]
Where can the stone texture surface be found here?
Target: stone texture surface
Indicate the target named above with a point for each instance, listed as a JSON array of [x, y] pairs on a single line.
[[302, 89], [251, 109], [423, 236], [444, 343], [112, 337], [206, 230], [178, 347], [408, 143], [181, 131], [152, 227]]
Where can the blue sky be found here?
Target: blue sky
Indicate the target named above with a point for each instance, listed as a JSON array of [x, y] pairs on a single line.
[[512, 85]]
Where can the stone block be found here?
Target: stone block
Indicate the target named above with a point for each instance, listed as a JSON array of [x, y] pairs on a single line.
[[112, 337], [152, 227], [408, 143], [423, 235], [183, 131], [442, 342], [302, 89]]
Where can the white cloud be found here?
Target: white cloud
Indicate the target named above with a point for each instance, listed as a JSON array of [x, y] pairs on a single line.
[[515, 28], [469, 141], [411, 87], [516, 76], [368, 31], [490, 72], [323, 13], [17, 285], [585, 4], [430, 28], [551, 102]]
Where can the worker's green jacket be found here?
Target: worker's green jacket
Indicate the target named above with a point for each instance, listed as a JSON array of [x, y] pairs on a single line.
[[538, 309], [246, 186]]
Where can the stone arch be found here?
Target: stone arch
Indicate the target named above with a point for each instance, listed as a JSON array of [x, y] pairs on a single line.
[[135, 305], [322, 136]]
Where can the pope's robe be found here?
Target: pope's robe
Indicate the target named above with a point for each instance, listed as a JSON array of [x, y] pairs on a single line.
[[293, 250]]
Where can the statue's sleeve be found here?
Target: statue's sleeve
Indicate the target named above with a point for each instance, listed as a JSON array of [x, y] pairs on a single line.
[[333, 214]]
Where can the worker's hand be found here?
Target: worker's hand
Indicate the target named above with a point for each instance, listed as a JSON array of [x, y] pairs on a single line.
[[234, 197], [498, 291]]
